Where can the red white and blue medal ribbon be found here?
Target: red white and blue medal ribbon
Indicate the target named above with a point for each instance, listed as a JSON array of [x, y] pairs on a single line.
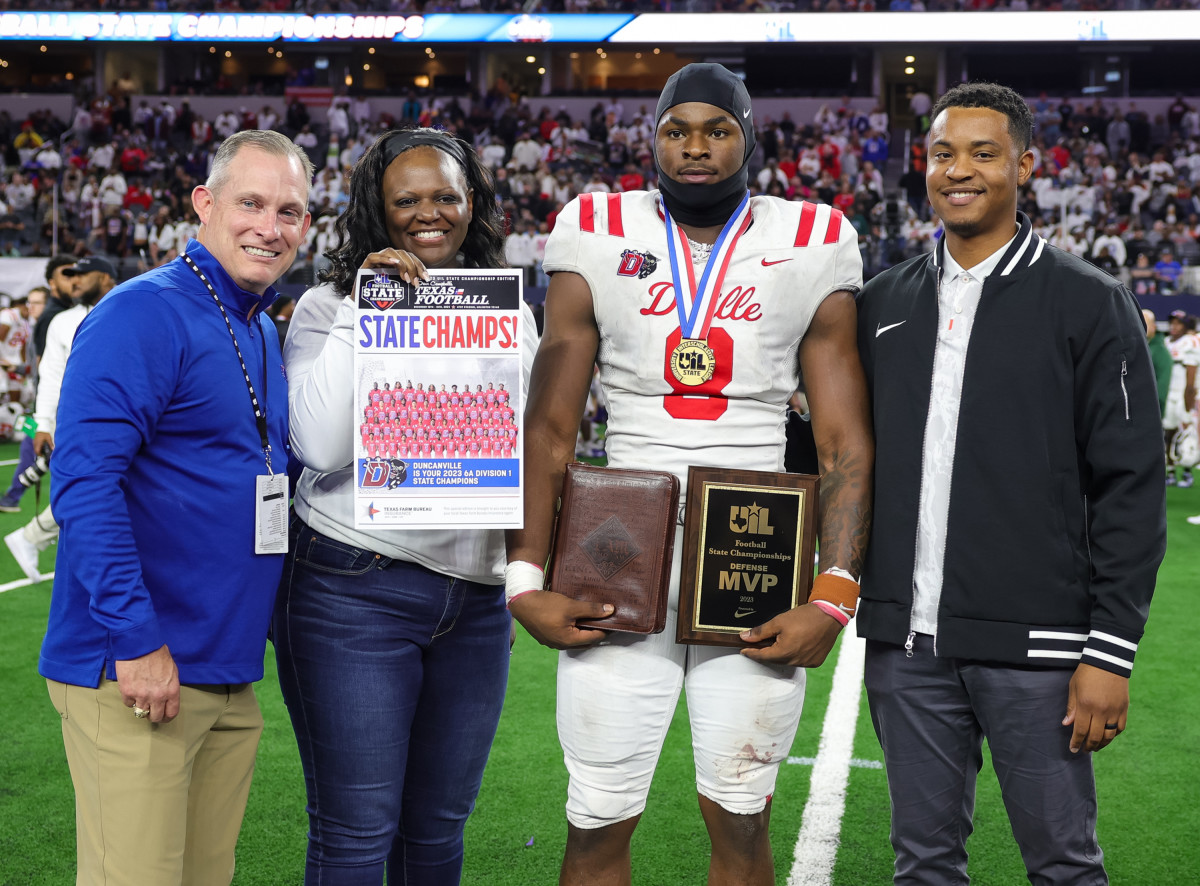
[[692, 362]]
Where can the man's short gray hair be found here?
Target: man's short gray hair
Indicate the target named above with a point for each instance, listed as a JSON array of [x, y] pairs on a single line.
[[265, 140]]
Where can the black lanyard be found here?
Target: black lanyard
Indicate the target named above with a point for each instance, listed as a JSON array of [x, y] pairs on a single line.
[[260, 414]]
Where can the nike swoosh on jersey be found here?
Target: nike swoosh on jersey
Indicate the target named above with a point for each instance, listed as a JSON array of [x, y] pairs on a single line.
[[880, 330], [767, 264]]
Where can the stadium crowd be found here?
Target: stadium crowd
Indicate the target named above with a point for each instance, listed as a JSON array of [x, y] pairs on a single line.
[[1112, 183]]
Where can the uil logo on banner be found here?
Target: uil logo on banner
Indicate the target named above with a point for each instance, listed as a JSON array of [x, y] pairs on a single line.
[[382, 292], [636, 264], [751, 520]]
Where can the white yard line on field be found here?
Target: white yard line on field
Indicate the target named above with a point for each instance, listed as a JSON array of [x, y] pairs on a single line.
[[24, 582], [817, 845], [855, 762]]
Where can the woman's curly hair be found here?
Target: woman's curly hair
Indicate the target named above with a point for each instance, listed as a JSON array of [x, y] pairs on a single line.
[[362, 228]]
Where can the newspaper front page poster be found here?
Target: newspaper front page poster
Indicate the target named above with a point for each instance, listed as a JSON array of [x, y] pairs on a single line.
[[437, 373]]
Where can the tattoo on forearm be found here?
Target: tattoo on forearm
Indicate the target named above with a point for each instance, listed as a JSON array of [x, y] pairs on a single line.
[[845, 520]]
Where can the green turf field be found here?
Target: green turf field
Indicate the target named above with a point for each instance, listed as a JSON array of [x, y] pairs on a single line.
[[1147, 780]]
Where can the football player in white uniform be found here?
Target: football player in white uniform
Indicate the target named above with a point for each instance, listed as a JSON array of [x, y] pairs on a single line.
[[764, 289], [1184, 346]]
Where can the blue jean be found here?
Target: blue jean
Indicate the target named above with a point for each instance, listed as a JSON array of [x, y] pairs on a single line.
[[394, 676]]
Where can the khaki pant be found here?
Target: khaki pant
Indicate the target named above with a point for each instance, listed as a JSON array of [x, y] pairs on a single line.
[[158, 803]]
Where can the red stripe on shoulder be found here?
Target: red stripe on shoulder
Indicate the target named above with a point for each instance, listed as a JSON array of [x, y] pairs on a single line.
[[808, 215], [587, 214], [614, 216], [835, 226]]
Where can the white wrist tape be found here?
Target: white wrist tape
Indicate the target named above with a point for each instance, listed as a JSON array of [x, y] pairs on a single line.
[[521, 577], [841, 573]]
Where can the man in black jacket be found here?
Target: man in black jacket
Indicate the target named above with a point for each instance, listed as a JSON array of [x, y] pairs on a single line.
[[1019, 512]]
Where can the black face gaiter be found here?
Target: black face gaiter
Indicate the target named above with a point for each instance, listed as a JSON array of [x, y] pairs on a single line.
[[706, 205]]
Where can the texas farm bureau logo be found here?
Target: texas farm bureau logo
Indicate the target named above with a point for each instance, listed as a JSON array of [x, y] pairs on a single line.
[[383, 473], [382, 291], [636, 264]]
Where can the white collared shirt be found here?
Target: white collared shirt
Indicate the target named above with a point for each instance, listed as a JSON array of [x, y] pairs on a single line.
[[958, 300]]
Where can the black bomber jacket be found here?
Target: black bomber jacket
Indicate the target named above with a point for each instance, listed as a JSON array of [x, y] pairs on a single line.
[[1057, 519]]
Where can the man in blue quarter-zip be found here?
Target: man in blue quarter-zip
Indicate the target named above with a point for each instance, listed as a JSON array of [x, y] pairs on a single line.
[[1019, 512], [170, 485]]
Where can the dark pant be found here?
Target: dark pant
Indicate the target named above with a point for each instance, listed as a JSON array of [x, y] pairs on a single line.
[[25, 459], [394, 676], [931, 715]]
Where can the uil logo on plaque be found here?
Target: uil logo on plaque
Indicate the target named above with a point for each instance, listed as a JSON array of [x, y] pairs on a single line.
[[749, 539], [692, 362], [750, 519]]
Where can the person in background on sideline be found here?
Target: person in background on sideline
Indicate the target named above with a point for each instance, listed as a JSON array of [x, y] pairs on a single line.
[[94, 277], [1160, 357], [60, 287], [1184, 346]]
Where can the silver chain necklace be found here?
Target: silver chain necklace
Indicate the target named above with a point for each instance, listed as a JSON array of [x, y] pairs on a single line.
[[699, 251]]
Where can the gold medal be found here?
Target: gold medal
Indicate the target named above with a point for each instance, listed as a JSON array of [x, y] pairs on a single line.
[[692, 362]]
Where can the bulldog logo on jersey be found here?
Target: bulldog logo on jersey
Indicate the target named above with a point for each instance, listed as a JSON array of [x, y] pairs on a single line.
[[636, 264], [381, 292]]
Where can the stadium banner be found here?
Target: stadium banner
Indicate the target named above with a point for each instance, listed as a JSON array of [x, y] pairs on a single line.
[[437, 389], [916, 28], [288, 28], [651, 29]]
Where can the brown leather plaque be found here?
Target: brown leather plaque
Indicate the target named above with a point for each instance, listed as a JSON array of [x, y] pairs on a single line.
[[749, 541], [613, 542]]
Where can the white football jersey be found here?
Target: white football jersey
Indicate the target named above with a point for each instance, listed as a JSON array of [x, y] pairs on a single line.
[[1185, 351], [12, 347], [790, 258]]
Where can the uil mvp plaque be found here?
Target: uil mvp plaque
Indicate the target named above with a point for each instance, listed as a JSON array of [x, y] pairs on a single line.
[[749, 539]]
